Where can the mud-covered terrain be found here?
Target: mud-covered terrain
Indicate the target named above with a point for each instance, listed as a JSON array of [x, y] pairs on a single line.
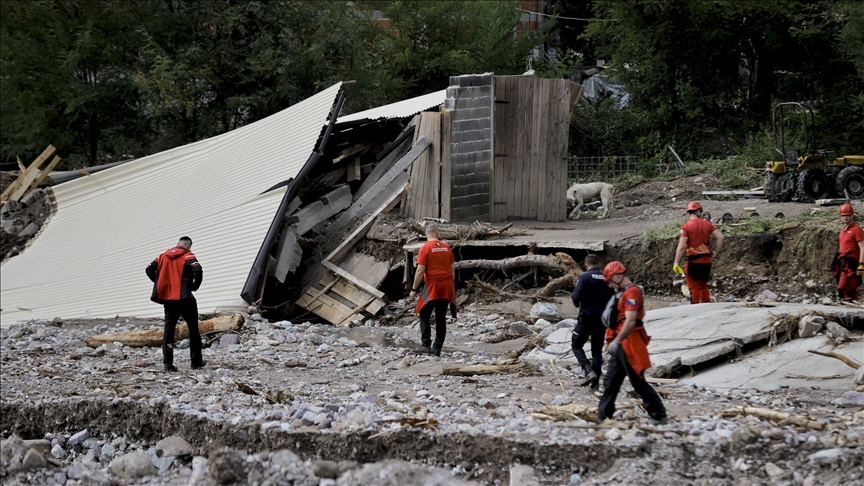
[[357, 394]]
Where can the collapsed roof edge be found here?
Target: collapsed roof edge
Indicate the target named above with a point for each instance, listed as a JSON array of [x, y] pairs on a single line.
[[258, 270]]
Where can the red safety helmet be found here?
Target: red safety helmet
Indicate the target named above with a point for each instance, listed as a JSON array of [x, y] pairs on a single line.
[[693, 206], [613, 268], [846, 210]]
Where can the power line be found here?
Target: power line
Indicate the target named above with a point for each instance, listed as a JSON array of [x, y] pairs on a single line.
[[568, 18]]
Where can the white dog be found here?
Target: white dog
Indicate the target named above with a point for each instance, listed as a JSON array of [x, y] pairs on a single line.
[[578, 193]]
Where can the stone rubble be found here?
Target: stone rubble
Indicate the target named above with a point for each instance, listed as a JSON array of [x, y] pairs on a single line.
[[362, 386]]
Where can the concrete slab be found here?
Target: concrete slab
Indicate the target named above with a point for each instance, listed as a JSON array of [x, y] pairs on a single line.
[[771, 366], [693, 334]]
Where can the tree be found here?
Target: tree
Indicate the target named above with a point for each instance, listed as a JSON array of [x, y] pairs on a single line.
[[66, 77], [435, 40]]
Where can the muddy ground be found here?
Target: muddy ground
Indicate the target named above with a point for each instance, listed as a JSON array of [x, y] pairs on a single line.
[[358, 394]]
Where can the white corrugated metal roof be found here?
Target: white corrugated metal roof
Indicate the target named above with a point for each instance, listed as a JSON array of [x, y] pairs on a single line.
[[400, 109], [89, 259]]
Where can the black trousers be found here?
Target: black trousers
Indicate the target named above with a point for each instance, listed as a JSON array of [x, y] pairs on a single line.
[[440, 307], [589, 327], [616, 370], [188, 308]]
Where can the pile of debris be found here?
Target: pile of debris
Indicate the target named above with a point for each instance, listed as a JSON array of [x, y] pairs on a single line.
[[21, 220]]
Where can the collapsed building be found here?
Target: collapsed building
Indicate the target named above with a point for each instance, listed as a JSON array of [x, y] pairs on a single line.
[[280, 208]]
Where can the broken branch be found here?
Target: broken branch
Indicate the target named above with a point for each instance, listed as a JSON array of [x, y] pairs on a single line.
[[559, 263], [153, 337], [779, 417], [849, 361]]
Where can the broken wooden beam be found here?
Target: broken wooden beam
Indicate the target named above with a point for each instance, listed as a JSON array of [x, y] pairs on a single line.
[[153, 337], [389, 156], [362, 204], [289, 254], [44, 174], [33, 168], [781, 418], [506, 366], [361, 230]]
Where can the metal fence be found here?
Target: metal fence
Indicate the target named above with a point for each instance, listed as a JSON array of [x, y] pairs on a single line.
[[598, 169]]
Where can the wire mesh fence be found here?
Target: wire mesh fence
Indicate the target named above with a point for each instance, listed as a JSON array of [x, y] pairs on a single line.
[[598, 169]]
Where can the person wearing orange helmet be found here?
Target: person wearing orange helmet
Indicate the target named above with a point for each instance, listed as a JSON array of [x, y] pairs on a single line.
[[695, 240], [628, 346], [848, 266]]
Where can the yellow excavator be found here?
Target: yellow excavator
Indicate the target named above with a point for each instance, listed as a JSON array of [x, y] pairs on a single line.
[[806, 176]]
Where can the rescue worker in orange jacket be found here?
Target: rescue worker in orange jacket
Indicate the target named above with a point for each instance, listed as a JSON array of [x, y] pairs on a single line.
[[695, 239], [848, 265], [434, 267], [628, 348], [175, 274]]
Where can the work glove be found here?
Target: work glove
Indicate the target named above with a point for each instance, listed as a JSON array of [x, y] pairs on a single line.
[[614, 346], [860, 271], [677, 269]]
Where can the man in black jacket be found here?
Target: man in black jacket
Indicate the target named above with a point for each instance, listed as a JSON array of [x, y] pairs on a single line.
[[590, 296], [175, 274]]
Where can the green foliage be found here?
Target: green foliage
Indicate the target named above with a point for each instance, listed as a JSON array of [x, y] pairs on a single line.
[[104, 78], [822, 222], [703, 74]]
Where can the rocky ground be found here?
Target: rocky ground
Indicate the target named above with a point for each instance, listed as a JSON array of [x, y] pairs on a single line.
[[300, 403]]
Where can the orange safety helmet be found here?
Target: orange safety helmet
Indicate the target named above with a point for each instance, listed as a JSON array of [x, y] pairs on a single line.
[[846, 210], [693, 206], [613, 268]]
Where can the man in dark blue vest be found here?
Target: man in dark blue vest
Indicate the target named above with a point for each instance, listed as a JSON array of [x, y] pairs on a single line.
[[590, 296]]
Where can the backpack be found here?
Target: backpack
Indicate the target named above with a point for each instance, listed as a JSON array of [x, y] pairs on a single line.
[[610, 313]]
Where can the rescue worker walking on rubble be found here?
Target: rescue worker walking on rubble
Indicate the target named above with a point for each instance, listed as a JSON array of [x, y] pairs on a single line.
[[176, 273], [848, 266], [695, 239], [628, 346], [590, 295], [434, 267]]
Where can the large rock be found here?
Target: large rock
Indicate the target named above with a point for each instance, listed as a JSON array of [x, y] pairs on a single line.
[[12, 451], [544, 309], [520, 328], [133, 465], [399, 473], [521, 475], [810, 325], [33, 460], [226, 466], [837, 332], [850, 399], [174, 446]]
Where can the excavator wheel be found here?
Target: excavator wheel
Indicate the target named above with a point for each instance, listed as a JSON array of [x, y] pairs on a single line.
[[812, 184], [851, 181]]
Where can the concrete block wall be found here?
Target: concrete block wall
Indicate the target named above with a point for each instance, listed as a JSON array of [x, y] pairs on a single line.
[[470, 99]]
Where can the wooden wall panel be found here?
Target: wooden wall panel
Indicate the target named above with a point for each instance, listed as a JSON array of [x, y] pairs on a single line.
[[425, 173]]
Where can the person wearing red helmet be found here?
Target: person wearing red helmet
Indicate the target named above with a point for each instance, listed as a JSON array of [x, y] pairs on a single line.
[[848, 266], [695, 240], [628, 347]]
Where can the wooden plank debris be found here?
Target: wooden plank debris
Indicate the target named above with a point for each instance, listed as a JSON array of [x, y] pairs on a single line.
[[781, 418], [153, 337], [361, 230], [403, 144], [34, 167], [362, 204], [849, 361], [504, 366], [288, 255], [45, 172]]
